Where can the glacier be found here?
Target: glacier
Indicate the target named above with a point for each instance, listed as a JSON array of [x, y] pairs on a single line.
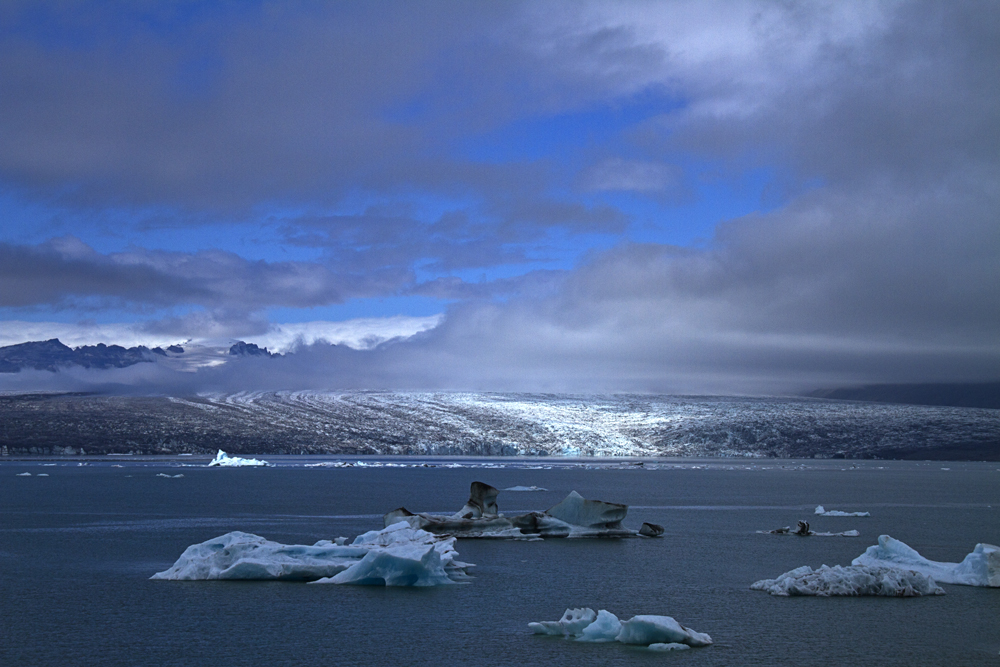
[[583, 624], [575, 516], [226, 461], [394, 556], [821, 511], [979, 568], [851, 580]]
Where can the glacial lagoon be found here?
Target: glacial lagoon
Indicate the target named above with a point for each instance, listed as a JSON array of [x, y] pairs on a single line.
[[78, 545]]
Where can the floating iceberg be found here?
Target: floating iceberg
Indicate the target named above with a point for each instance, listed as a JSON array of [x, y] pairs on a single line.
[[226, 461], [160, 474], [575, 516], [851, 580], [647, 630], [803, 530], [395, 556], [823, 512], [23, 474], [979, 568], [525, 488]]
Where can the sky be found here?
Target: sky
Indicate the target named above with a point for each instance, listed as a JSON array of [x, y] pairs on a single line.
[[678, 196]]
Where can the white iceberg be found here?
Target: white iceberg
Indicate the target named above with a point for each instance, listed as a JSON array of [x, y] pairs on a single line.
[[23, 474], [525, 488], [395, 556], [820, 510], [226, 461], [851, 580], [653, 631], [160, 474], [979, 568]]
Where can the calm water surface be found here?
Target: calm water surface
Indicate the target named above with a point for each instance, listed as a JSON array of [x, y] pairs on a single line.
[[77, 548]]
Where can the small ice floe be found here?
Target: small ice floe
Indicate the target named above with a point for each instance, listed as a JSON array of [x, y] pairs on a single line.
[[395, 556], [585, 625], [23, 474], [160, 474], [575, 517], [803, 530], [979, 568], [525, 488], [226, 461], [42, 474], [850, 580], [329, 464], [820, 510]]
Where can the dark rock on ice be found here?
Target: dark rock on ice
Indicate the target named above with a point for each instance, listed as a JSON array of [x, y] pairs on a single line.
[[651, 530], [575, 516], [242, 349]]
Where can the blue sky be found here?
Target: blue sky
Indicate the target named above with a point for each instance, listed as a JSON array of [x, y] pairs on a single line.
[[689, 195]]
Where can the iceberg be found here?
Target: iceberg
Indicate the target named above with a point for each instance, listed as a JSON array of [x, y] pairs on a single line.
[[820, 510], [226, 461], [653, 631], [525, 488], [803, 530], [160, 474], [850, 580], [575, 516], [395, 556], [23, 474], [979, 568]]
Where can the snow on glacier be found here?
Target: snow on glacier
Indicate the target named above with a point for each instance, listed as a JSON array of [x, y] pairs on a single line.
[[853, 580], [226, 461], [583, 624], [523, 424], [979, 568], [820, 510], [395, 556]]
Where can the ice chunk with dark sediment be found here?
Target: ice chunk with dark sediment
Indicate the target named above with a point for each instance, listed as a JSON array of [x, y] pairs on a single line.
[[395, 556], [822, 511], [224, 460], [482, 503], [803, 530], [575, 516], [979, 568], [587, 626], [853, 580]]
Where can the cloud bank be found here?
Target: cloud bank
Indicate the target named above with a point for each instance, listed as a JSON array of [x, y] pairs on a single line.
[[874, 255]]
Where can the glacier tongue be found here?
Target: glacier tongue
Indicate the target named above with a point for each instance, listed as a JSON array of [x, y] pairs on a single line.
[[979, 568]]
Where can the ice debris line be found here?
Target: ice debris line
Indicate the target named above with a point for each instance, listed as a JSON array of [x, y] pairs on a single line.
[[979, 568], [226, 461], [660, 633], [575, 516], [820, 510], [395, 556]]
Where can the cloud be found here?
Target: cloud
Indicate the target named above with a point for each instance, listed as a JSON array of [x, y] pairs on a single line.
[[876, 261]]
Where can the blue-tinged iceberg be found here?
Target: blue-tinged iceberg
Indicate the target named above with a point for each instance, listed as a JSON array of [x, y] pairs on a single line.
[[822, 511], [852, 580], [979, 568], [395, 556], [226, 461], [656, 632]]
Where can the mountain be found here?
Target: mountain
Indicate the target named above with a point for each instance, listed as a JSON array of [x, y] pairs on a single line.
[[51, 355]]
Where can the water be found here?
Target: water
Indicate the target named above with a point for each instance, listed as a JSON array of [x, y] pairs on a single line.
[[77, 548]]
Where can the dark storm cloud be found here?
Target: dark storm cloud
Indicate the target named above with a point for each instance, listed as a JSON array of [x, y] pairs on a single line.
[[66, 272]]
